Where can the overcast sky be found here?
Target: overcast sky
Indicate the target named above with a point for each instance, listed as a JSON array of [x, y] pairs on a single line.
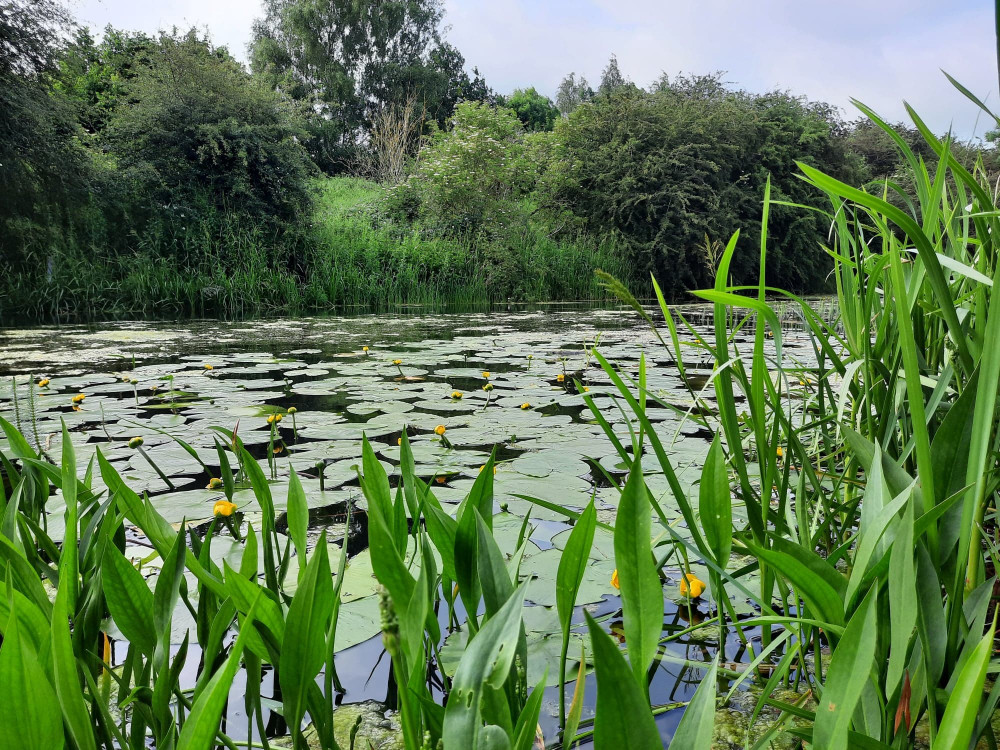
[[878, 51]]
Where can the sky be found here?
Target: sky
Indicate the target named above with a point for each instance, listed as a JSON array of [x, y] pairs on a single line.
[[880, 52]]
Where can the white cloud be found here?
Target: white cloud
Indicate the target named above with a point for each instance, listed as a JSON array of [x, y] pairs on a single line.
[[879, 51], [229, 21]]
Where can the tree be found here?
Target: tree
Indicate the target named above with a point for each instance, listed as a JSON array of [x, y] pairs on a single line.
[[536, 112], [666, 171], [347, 60], [201, 138], [572, 93], [611, 77], [95, 76], [470, 175], [45, 172]]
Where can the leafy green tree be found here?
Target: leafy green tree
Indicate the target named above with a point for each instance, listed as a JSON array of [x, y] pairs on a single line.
[[45, 173], [346, 60], [572, 93], [470, 176], [660, 171], [200, 137], [536, 112], [612, 77], [95, 76]]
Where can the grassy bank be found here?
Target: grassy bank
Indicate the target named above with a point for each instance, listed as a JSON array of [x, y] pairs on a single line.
[[345, 257]]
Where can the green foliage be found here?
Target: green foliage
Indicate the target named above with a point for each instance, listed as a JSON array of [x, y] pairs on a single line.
[[346, 61], [200, 137], [536, 112], [662, 170]]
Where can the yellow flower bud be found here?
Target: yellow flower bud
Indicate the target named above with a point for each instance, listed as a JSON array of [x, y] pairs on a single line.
[[209, 367], [439, 430], [215, 483], [78, 398], [486, 373], [691, 586], [560, 378], [43, 383], [525, 405], [135, 442], [223, 508], [488, 387], [456, 394], [292, 410], [614, 579]]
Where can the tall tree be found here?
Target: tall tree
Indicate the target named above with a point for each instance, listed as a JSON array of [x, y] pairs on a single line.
[[44, 171], [572, 93], [201, 138], [346, 60], [611, 77], [536, 112]]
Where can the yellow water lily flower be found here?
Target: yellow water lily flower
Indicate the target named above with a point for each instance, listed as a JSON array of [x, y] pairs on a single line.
[[43, 383], [525, 405], [456, 394], [208, 367], [397, 361], [78, 398], [484, 466], [364, 348], [215, 483], [440, 480], [486, 373], [614, 579], [135, 442], [560, 378], [439, 430], [780, 452], [223, 508], [399, 441], [274, 418], [691, 586]]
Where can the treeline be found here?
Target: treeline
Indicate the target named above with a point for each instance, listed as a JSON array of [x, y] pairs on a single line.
[[158, 175]]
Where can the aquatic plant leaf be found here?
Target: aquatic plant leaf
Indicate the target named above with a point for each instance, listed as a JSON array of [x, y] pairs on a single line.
[[623, 717], [129, 600], [642, 595], [29, 708], [695, 728], [850, 669]]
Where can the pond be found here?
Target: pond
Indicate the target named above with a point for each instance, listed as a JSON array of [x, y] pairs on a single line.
[[376, 376]]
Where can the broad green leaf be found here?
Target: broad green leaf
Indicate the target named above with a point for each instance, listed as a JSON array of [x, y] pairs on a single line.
[[715, 504], [302, 650], [572, 567], [129, 600], [850, 669], [67, 678], [641, 592], [955, 731], [487, 661], [623, 716], [902, 599], [29, 709], [694, 732], [297, 516], [202, 723]]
